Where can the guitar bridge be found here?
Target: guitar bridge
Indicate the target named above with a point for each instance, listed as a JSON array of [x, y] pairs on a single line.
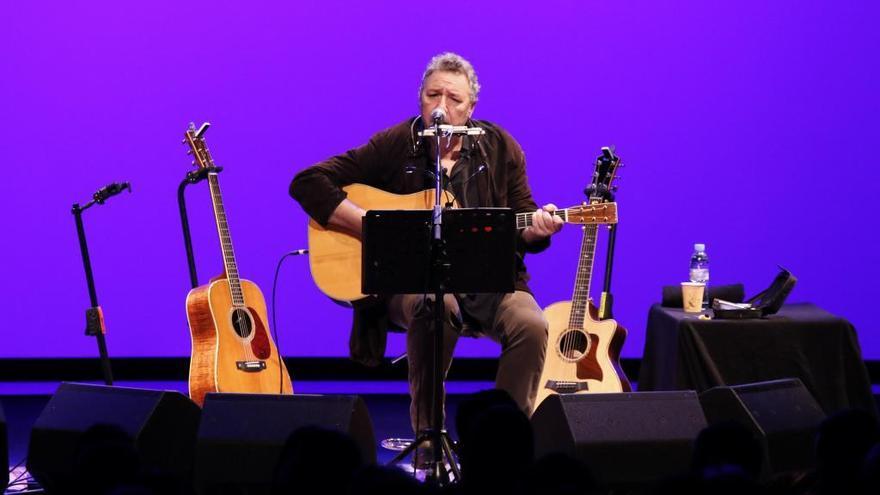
[[566, 387], [250, 366]]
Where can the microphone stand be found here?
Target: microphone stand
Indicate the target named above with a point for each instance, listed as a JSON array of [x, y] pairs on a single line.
[[192, 177], [440, 442], [94, 314], [436, 437]]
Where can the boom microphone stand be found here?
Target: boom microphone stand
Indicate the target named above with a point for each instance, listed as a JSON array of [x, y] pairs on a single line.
[[94, 314]]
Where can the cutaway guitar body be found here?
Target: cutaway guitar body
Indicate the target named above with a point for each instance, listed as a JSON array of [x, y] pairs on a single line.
[[581, 360], [231, 348]]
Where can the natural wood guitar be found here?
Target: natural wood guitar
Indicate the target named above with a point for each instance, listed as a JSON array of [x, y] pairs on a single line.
[[232, 350], [583, 353], [335, 255]]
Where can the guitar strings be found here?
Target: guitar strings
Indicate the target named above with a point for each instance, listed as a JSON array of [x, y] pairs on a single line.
[[220, 212], [577, 320], [232, 279]]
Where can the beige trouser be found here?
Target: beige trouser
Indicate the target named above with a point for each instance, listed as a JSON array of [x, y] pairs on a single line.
[[519, 327]]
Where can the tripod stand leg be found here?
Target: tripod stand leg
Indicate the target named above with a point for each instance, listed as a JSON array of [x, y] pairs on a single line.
[[423, 438], [438, 470], [449, 450]]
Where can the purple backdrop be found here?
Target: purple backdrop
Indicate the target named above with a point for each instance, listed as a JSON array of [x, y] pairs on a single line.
[[751, 127]]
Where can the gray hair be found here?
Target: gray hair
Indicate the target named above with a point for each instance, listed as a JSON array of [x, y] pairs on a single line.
[[452, 62]]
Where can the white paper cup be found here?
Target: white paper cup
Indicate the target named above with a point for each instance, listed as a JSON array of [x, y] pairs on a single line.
[[692, 296]]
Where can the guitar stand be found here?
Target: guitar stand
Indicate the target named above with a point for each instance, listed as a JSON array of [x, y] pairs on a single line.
[[192, 177], [606, 191], [607, 300]]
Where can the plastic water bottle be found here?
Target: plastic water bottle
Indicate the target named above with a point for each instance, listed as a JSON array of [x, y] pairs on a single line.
[[699, 264], [700, 269]]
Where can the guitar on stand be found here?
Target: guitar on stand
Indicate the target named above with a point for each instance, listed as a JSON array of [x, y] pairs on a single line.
[[583, 352], [232, 350]]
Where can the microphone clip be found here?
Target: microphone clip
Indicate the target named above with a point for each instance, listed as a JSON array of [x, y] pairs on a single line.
[[110, 190]]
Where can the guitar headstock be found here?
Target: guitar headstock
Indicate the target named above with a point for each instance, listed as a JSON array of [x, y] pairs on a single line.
[[592, 213], [195, 139], [601, 187]]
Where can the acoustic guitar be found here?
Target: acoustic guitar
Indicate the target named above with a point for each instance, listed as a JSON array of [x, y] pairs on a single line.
[[335, 255], [232, 350], [583, 353]]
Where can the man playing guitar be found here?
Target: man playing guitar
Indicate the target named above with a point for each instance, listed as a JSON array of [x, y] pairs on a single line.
[[482, 171]]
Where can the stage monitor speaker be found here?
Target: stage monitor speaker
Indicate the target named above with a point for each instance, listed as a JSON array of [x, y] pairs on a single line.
[[4, 452], [627, 439], [781, 413], [163, 425], [241, 435]]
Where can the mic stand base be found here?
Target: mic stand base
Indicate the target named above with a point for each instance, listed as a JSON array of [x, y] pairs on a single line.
[[436, 471]]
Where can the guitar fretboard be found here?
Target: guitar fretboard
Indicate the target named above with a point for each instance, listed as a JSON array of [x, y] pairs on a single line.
[[225, 242], [524, 220], [581, 296]]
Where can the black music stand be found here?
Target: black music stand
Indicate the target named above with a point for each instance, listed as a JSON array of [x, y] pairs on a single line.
[[476, 254]]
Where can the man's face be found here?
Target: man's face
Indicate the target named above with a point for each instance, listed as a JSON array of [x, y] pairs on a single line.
[[449, 91]]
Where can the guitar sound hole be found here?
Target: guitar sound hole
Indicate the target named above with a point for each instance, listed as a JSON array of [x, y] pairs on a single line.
[[241, 322], [573, 345]]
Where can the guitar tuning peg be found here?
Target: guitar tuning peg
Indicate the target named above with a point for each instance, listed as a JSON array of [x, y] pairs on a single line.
[[183, 141], [189, 152], [193, 163]]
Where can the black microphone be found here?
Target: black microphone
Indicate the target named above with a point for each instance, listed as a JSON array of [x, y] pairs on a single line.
[[110, 190], [438, 116]]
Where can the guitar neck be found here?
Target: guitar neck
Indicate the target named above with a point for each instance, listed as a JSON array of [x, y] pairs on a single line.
[[524, 220], [225, 242], [581, 296]]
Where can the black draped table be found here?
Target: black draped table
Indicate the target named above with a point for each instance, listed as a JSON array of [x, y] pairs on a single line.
[[683, 352]]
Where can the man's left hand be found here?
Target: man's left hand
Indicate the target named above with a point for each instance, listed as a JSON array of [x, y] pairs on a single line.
[[544, 224]]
